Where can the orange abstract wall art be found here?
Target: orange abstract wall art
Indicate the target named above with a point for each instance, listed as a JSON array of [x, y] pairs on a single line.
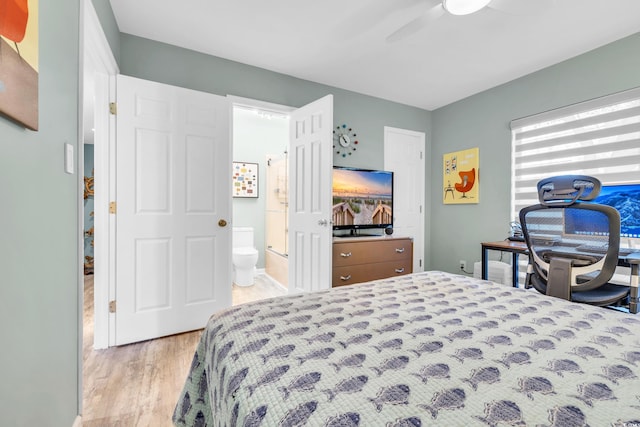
[[19, 61]]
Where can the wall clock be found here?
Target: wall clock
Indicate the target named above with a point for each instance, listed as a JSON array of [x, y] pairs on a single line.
[[344, 140]]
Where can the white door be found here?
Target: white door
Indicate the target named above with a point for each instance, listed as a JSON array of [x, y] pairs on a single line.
[[310, 165], [404, 156], [173, 169]]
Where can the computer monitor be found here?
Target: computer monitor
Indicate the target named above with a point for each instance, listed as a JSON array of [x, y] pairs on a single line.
[[625, 198]]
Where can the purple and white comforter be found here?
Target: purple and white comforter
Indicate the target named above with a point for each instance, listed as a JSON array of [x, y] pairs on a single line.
[[430, 348]]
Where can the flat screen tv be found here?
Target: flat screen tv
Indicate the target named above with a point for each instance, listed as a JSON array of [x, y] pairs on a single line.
[[625, 198], [362, 199]]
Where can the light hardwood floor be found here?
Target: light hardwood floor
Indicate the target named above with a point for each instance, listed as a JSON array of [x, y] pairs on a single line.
[[138, 384]]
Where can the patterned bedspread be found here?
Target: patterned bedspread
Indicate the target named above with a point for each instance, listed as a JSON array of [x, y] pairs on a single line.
[[430, 348]]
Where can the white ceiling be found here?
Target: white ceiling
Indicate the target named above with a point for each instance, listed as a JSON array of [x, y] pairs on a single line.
[[342, 43]]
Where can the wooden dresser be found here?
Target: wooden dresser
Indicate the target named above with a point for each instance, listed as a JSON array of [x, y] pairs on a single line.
[[362, 259]]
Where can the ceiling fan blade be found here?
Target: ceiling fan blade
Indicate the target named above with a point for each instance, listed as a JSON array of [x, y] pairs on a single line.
[[363, 19], [416, 24], [521, 7]]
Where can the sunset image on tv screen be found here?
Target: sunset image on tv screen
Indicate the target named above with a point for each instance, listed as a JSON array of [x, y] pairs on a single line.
[[362, 197]]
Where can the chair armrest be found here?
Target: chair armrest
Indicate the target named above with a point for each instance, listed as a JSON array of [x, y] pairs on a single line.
[[578, 260]]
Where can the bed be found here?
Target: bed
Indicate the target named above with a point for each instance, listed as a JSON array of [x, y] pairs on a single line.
[[430, 348]]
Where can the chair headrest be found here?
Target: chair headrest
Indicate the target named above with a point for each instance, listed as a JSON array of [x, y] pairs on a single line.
[[566, 190]]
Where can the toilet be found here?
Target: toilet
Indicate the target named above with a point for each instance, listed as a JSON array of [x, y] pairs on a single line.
[[244, 256]]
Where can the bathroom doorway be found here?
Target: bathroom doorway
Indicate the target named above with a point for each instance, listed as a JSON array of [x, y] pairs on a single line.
[[261, 137]]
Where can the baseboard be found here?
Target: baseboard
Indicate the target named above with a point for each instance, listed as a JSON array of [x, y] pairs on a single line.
[[77, 422], [275, 282]]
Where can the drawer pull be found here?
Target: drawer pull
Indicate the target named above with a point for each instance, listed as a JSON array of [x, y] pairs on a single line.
[[399, 270], [345, 277], [343, 255], [400, 250]]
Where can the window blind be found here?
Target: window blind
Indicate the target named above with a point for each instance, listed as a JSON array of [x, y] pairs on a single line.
[[599, 137]]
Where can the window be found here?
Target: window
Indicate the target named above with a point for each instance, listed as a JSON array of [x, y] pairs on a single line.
[[599, 138]]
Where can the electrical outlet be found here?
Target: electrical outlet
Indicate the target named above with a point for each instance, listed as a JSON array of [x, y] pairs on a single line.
[[463, 264]]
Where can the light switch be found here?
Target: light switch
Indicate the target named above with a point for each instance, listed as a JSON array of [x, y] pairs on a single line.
[[68, 158]]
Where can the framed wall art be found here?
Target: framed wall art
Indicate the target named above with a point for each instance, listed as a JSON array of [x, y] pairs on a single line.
[[460, 172], [245, 179], [19, 61]]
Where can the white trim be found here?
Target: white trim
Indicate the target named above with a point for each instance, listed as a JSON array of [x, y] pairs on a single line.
[[80, 211], [97, 40], [98, 51], [102, 224], [77, 422], [110, 177], [238, 101], [274, 281]]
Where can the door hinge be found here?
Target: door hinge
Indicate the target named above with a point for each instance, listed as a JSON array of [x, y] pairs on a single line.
[[113, 207], [420, 263], [112, 306], [113, 108], [421, 155]]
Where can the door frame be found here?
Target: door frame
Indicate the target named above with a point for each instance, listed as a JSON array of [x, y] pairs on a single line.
[[238, 102], [97, 50]]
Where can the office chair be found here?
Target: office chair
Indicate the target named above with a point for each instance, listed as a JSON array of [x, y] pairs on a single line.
[[573, 246]]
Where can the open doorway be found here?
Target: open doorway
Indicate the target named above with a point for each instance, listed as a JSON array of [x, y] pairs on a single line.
[[99, 66], [261, 140]]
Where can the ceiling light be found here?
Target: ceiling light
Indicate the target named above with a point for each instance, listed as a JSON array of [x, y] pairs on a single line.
[[464, 7]]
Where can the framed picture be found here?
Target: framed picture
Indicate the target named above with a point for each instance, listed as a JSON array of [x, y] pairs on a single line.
[[19, 61], [245, 179], [460, 172]]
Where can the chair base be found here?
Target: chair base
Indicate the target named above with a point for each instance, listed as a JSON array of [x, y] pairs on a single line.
[[608, 294]]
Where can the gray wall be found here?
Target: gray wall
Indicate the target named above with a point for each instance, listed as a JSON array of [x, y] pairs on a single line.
[[39, 248], [483, 121], [185, 68]]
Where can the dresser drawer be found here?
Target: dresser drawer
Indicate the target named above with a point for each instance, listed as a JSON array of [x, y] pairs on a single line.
[[349, 275], [371, 251]]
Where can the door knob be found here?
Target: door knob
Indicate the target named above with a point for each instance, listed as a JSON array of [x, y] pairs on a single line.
[[222, 223], [323, 222]]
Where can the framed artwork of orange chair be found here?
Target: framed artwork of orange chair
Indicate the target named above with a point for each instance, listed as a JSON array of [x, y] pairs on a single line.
[[460, 171]]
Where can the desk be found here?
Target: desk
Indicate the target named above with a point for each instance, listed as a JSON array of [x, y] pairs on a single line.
[[517, 248]]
